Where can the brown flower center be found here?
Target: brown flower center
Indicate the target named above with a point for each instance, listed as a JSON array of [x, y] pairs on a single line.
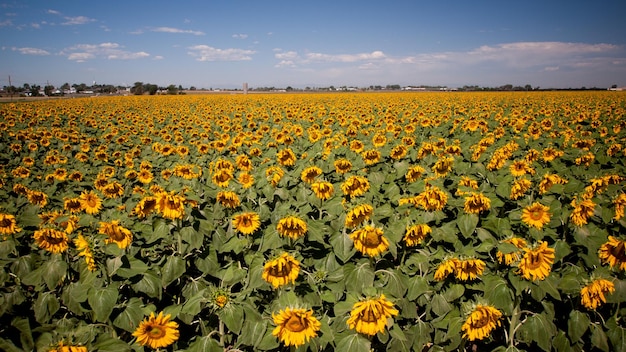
[[371, 240], [295, 323]]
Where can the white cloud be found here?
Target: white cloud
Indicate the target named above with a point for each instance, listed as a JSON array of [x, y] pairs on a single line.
[[208, 53], [53, 12], [240, 36], [176, 30], [78, 20], [32, 51], [111, 51], [320, 57]]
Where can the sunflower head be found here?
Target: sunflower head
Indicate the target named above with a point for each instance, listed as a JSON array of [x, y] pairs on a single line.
[[292, 226], [370, 240], [247, 222], [370, 316], [157, 331], [295, 326], [415, 234], [281, 270], [536, 215], [613, 253], [536, 263], [481, 321], [323, 189]]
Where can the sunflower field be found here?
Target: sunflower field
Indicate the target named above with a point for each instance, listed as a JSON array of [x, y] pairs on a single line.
[[321, 222]]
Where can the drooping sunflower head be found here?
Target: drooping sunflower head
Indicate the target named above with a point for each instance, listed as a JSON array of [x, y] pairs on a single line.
[[113, 190], [355, 186], [432, 199], [228, 199], [536, 263], [8, 225], [157, 331], [52, 240], [370, 316], [62, 346], [342, 166], [370, 240], [481, 322], [536, 215], [476, 203], [415, 234], [291, 226], [286, 157], [583, 210], [309, 174], [146, 206], [359, 214], [295, 326], [170, 205], [593, 295], [323, 189], [246, 222], [116, 233], [446, 268], [281, 271], [469, 269], [443, 166], [414, 173], [511, 257], [613, 253], [73, 205]]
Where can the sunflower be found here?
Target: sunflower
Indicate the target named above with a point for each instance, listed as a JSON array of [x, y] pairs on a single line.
[[481, 322], [469, 269], [157, 332], [536, 215], [511, 257], [476, 203], [582, 211], [370, 240], [8, 225], [146, 206], [443, 166], [398, 152], [222, 177], [371, 156], [37, 198], [342, 166], [613, 253], [246, 180], [292, 227], [323, 189], [274, 174], [295, 326], [187, 171], [550, 180], [83, 247], [243, 163], [519, 187], [355, 186], [281, 271], [415, 234], [20, 172], [309, 174], [247, 222], [228, 199], [63, 347], [432, 199], [52, 240], [113, 190], [592, 295], [90, 202], [537, 263], [286, 157], [446, 268], [521, 168], [145, 176], [117, 234], [357, 215], [170, 205], [370, 316], [414, 173], [620, 204], [73, 205]]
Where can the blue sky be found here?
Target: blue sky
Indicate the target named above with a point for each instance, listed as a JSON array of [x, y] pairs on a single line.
[[221, 44]]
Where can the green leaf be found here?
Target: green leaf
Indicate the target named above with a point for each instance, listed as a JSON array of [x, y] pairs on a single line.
[[359, 276], [160, 229], [599, 338], [253, 332], [53, 271], [108, 343], [45, 306], [418, 285], [26, 334], [190, 235], [616, 334], [343, 246], [453, 292], [353, 343], [234, 274], [173, 269], [440, 305], [8, 346], [205, 344], [131, 316], [498, 293], [232, 316], [577, 325], [102, 302], [396, 282], [539, 329], [149, 284], [467, 224], [549, 285]]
